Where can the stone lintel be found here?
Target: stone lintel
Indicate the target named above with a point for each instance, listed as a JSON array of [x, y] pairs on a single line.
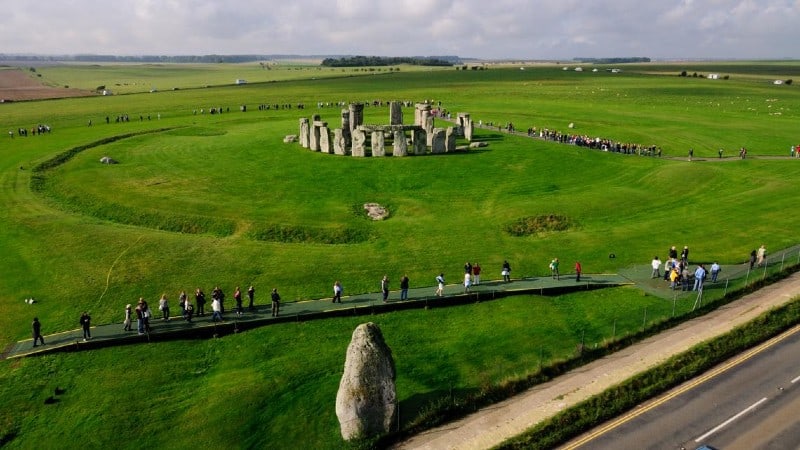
[[388, 128]]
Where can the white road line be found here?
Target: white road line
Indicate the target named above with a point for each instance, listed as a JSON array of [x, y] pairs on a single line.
[[727, 422], [796, 380]]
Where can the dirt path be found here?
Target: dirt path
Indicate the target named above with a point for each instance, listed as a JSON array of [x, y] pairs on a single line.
[[494, 424]]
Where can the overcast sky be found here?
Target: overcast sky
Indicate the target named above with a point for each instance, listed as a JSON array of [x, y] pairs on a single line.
[[491, 29]]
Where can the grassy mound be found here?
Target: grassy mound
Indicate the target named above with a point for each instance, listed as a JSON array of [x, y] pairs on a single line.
[[542, 223]]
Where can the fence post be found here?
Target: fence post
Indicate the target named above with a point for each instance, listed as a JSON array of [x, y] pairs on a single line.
[[766, 264], [644, 319], [726, 287], [674, 299], [782, 258], [747, 278]]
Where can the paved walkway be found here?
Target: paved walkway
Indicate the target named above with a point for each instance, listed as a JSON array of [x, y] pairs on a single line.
[[369, 303]]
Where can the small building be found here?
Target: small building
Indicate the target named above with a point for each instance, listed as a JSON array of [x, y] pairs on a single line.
[[241, 81], [776, 82], [713, 76]]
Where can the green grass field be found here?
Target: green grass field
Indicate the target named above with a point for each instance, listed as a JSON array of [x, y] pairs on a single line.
[[196, 200]]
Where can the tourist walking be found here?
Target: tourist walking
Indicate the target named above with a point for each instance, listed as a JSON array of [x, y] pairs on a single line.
[[467, 282], [86, 324], [36, 331], [182, 300], [251, 293], [761, 256], [578, 270], [163, 306], [216, 310], [656, 265], [506, 272], [476, 274], [554, 269], [337, 292], [140, 316], [699, 276], [219, 295], [404, 288], [146, 314], [440, 285], [200, 300], [276, 302], [237, 297], [385, 288], [715, 269], [127, 321]]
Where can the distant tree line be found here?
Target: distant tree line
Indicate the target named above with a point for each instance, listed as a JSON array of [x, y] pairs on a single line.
[[632, 59], [149, 58], [364, 61]]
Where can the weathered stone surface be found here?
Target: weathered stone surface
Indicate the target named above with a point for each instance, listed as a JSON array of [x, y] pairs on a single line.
[[313, 139], [325, 140], [420, 141], [304, 130], [450, 139], [378, 144], [427, 121], [359, 139], [356, 115], [387, 128], [375, 211], [400, 146], [478, 144], [289, 138], [465, 124], [437, 138], [346, 127], [419, 111], [108, 160], [339, 143], [366, 403], [395, 113]]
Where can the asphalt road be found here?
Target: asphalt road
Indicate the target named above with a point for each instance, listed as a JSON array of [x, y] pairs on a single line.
[[750, 402]]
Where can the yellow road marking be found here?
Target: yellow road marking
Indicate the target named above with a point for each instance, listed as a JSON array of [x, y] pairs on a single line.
[[689, 385]]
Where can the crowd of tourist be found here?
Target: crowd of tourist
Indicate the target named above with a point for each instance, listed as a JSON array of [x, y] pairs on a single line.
[[679, 274]]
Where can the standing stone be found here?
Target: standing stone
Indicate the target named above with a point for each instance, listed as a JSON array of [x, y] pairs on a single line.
[[304, 132], [346, 127], [450, 139], [313, 137], [437, 138], [400, 147], [359, 139], [366, 403], [339, 143], [419, 112], [427, 121], [420, 141], [465, 123], [356, 115], [395, 113], [378, 144], [325, 140]]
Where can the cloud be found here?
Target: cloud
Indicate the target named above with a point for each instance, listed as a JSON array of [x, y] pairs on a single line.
[[472, 28]]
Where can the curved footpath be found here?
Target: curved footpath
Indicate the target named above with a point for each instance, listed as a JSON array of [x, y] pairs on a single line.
[[111, 334], [492, 425]]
